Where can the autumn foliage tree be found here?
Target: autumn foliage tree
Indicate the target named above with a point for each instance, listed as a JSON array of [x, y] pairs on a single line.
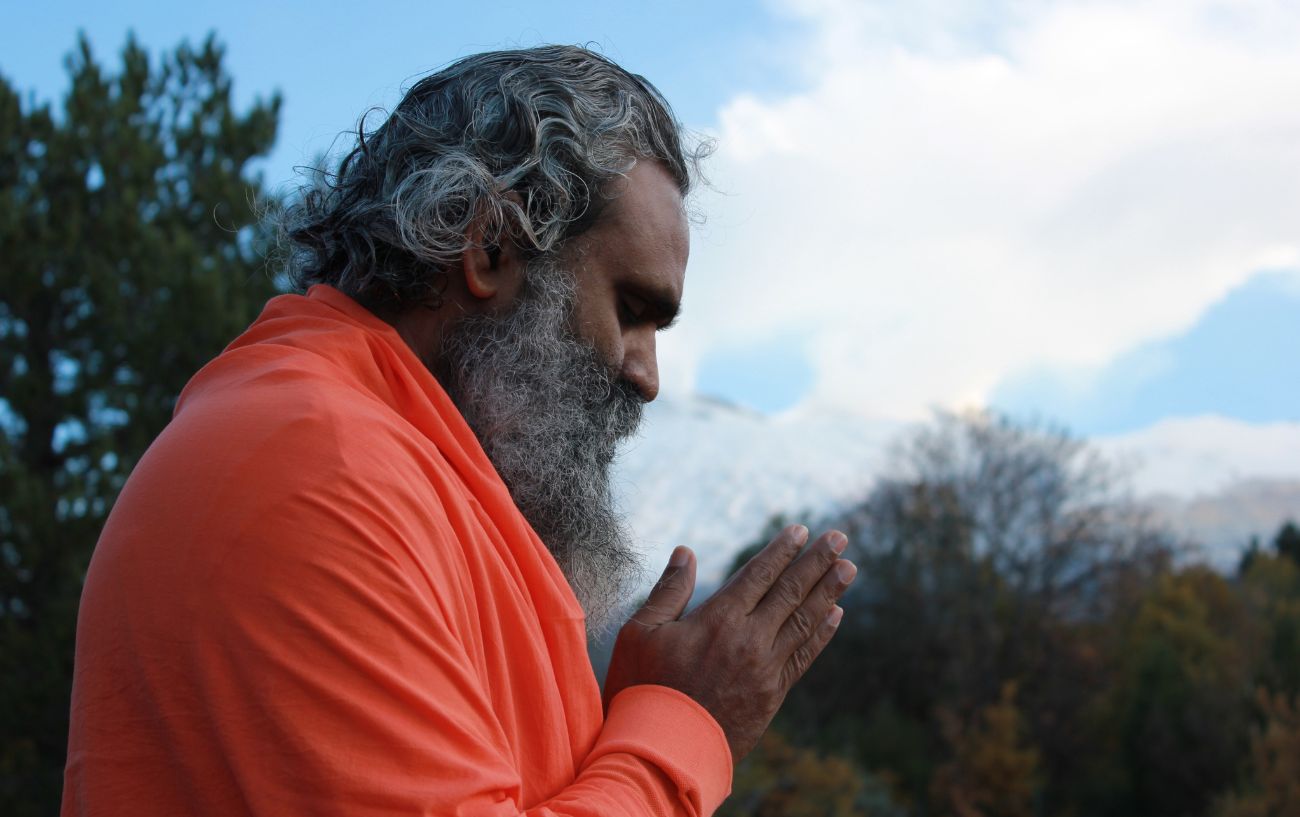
[[132, 253], [1273, 784], [778, 779], [994, 770]]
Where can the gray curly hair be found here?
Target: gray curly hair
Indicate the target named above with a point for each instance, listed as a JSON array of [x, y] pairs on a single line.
[[519, 145]]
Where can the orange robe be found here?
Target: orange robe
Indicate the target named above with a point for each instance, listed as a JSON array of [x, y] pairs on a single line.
[[316, 597]]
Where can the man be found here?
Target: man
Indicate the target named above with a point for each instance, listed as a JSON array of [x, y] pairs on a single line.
[[353, 575]]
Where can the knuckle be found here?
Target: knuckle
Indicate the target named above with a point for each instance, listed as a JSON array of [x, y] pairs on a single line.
[[791, 673], [801, 660], [831, 591], [788, 593], [762, 573], [801, 623]]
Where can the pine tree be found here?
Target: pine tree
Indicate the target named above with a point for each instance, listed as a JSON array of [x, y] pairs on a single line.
[[131, 255], [1287, 542]]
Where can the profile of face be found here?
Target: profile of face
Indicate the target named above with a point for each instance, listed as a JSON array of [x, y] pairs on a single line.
[[552, 379]]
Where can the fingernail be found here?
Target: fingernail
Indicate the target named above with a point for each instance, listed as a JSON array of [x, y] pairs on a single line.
[[800, 534], [846, 571], [679, 558], [836, 613], [838, 542]]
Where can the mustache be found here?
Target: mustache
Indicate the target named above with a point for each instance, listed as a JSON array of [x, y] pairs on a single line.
[[614, 402], [627, 406]]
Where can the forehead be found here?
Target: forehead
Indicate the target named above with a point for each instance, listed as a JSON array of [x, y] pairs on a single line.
[[643, 232]]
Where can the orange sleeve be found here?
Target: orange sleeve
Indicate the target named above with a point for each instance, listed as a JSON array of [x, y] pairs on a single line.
[[657, 728], [336, 686]]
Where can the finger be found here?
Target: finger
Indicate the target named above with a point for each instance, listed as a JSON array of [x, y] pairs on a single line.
[[803, 621], [670, 595], [757, 576], [800, 578], [802, 658]]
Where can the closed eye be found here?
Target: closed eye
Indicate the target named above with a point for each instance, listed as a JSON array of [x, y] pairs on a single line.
[[637, 310], [634, 308]]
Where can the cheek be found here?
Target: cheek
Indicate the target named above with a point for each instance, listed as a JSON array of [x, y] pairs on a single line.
[[600, 329], [610, 347]]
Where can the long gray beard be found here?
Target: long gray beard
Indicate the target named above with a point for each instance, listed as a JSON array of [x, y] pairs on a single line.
[[549, 413]]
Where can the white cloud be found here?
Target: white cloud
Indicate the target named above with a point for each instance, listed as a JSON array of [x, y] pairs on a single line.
[[965, 189]]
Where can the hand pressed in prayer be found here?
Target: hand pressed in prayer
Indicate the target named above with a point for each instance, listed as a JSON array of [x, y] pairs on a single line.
[[741, 651]]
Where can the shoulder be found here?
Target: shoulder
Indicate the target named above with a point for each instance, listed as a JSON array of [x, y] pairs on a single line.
[[282, 464], [289, 420]]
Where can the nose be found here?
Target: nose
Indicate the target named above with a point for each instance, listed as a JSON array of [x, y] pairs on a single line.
[[640, 364]]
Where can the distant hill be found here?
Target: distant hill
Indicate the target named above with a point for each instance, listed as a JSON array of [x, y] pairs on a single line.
[[708, 474], [1223, 523]]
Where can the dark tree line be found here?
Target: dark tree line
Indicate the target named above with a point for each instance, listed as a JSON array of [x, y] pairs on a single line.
[[1023, 641], [131, 252]]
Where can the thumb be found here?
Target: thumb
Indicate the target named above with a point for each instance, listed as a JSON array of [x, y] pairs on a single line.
[[668, 598]]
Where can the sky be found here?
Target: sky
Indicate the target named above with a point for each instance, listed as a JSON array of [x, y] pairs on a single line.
[[1088, 211]]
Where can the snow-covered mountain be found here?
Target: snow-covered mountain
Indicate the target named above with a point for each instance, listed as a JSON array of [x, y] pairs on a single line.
[[710, 475], [1222, 523], [1215, 481]]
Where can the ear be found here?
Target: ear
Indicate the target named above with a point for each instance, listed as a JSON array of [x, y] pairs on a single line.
[[492, 272], [480, 272]]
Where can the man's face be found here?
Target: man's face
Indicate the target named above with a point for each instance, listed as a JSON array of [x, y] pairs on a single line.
[[551, 386], [631, 269]]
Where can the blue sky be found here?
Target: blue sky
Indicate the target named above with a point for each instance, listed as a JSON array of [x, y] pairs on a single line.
[[1241, 359], [1084, 210], [333, 60], [770, 375]]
